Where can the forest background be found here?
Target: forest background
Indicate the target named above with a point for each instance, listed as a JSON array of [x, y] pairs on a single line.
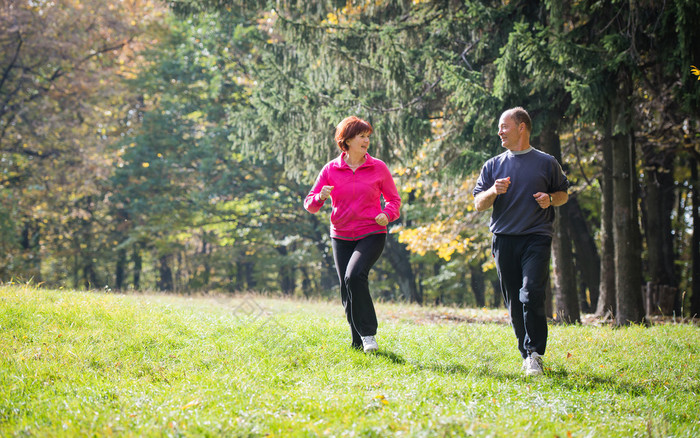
[[169, 145]]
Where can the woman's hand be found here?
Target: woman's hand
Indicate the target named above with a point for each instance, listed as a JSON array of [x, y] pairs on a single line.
[[325, 192], [382, 219]]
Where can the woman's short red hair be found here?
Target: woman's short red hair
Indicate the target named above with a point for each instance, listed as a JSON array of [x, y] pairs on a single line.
[[349, 128]]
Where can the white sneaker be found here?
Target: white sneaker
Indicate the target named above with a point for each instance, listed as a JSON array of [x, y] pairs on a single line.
[[533, 365], [369, 344]]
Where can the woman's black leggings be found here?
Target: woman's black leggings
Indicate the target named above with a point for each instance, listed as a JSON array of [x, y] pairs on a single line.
[[353, 261]]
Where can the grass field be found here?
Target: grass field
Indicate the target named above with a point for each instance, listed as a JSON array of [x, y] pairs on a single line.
[[95, 364]]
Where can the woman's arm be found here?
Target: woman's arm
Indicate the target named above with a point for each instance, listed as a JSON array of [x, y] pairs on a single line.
[[313, 201], [392, 200]]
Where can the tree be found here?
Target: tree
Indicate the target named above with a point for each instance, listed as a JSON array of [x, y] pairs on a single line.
[[434, 61], [607, 303], [626, 235], [529, 66], [695, 245], [208, 216], [304, 89], [191, 175], [57, 110], [625, 40]]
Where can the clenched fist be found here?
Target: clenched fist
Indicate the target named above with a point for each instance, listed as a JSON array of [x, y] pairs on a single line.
[[382, 219], [325, 192]]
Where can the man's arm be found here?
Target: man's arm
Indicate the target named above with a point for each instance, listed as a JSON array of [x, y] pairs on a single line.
[[484, 200], [555, 199], [559, 198]]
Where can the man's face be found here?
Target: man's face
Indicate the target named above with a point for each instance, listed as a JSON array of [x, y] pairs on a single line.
[[509, 132]]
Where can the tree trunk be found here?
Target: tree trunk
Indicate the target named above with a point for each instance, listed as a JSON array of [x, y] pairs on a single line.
[[120, 273], [587, 258], [329, 275], [695, 243], [286, 274], [439, 298], [245, 276], [628, 279], [563, 268], [76, 270], [89, 274], [398, 257], [306, 282], [497, 294], [419, 278], [181, 278], [240, 277], [478, 284], [205, 252], [30, 242], [607, 300], [165, 274], [251, 282], [565, 290], [138, 261], [659, 201]]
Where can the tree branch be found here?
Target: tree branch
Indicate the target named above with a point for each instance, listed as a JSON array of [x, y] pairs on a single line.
[[578, 161], [12, 63], [410, 103], [17, 148], [463, 55], [373, 28], [106, 49]]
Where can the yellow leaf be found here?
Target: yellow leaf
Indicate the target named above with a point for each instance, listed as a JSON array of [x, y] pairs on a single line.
[[191, 404], [694, 70]]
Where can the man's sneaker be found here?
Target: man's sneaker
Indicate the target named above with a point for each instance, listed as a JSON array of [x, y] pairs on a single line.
[[533, 365], [369, 344]]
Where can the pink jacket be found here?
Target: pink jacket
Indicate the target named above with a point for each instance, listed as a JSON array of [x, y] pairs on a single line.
[[356, 197]]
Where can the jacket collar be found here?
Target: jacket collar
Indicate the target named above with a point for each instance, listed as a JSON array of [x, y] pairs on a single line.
[[340, 162]]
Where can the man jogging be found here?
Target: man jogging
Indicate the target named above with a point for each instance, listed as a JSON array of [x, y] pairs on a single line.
[[522, 185]]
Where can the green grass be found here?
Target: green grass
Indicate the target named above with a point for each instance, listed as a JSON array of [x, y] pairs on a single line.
[[94, 364]]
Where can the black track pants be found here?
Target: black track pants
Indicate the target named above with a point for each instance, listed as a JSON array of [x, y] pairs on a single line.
[[353, 261], [523, 269]]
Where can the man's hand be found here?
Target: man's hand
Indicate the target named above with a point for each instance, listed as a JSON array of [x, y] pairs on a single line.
[[543, 199], [501, 185], [485, 199]]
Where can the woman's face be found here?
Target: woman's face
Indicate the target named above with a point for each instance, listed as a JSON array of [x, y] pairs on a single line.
[[358, 144]]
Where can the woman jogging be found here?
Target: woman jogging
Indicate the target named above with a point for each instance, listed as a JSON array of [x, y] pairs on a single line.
[[355, 182]]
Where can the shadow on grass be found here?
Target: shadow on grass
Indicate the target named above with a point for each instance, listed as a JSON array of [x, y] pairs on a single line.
[[390, 355], [590, 382], [559, 377]]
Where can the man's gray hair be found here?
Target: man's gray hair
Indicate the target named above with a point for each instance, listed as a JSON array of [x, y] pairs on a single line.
[[520, 116]]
